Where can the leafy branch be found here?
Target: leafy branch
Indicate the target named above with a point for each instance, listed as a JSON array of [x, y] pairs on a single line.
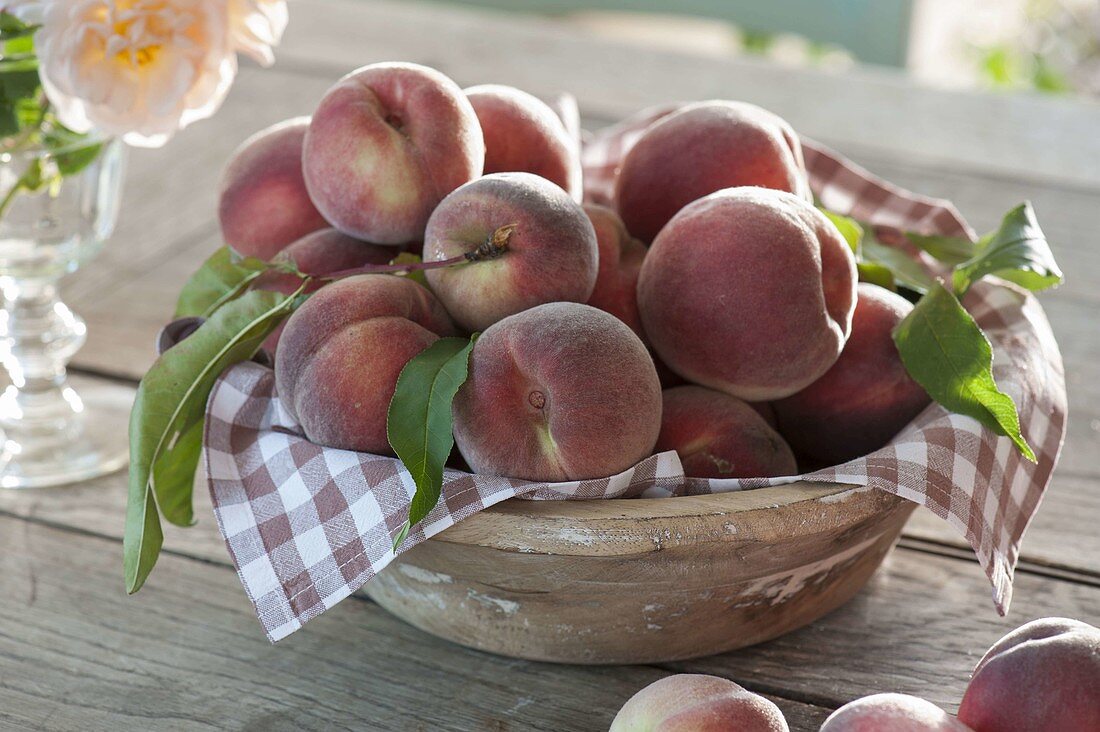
[[28, 124], [941, 345]]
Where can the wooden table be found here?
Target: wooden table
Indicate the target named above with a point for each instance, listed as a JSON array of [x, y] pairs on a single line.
[[187, 652]]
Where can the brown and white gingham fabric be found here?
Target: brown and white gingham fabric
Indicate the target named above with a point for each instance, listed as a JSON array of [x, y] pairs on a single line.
[[306, 525]]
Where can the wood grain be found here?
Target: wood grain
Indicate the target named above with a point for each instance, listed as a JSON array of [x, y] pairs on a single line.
[[918, 627], [187, 654]]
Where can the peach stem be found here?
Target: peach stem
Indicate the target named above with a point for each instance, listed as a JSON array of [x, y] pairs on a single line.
[[494, 246]]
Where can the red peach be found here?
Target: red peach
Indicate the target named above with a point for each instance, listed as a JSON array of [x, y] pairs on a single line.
[[749, 291], [559, 392], [867, 396], [550, 256], [524, 135], [321, 253], [700, 149], [697, 703], [720, 436], [892, 713], [385, 146], [341, 353], [1045, 675], [263, 204], [620, 262]]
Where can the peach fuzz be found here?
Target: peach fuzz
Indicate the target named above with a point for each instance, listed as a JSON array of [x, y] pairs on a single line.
[[263, 204], [866, 398], [386, 144], [700, 149], [720, 436], [620, 262], [749, 291], [321, 253], [697, 703], [1045, 675], [341, 353], [550, 253], [524, 135], [559, 392], [892, 713]]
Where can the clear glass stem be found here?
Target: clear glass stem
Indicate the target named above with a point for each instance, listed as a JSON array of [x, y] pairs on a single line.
[[38, 336]]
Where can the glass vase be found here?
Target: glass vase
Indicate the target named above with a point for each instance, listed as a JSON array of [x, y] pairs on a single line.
[[53, 434]]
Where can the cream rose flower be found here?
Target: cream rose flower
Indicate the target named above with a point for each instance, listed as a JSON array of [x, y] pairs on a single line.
[[144, 69], [257, 26], [139, 69]]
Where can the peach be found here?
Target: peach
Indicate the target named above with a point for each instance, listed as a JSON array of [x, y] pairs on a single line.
[[700, 149], [697, 703], [1045, 675], [892, 713], [386, 144], [263, 204], [524, 135], [550, 254], [559, 392], [720, 436], [620, 262], [341, 353], [749, 291], [321, 253], [866, 398]]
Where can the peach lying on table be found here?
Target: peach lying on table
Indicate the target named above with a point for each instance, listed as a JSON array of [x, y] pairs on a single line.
[[697, 703]]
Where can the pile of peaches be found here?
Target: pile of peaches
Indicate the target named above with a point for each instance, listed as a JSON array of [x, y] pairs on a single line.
[[713, 310]]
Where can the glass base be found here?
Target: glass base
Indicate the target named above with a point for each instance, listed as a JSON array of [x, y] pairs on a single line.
[[94, 443]]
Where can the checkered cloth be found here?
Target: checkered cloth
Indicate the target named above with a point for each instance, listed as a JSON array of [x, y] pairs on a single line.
[[306, 526]]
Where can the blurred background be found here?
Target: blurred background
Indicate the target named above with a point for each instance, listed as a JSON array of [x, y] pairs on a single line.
[[1046, 46]]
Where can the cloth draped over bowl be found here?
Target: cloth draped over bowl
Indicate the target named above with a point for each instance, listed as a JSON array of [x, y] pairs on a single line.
[[306, 526]]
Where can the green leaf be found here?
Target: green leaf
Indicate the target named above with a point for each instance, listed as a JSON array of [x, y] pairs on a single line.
[[1017, 251], [143, 537], [418, 424], [11, 26], [848, 227], [18, 84], [945, 351], [950, 250], [166, 421], [72, 151], [876, 274], [906, 270], [221, 278]]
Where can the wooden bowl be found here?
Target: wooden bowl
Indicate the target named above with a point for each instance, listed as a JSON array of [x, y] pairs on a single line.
[[646, 580]]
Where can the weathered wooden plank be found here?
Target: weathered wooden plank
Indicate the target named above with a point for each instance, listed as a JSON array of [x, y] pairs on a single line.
[[1061, 535], [1052, 137], [918, 627], [186, 654]]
